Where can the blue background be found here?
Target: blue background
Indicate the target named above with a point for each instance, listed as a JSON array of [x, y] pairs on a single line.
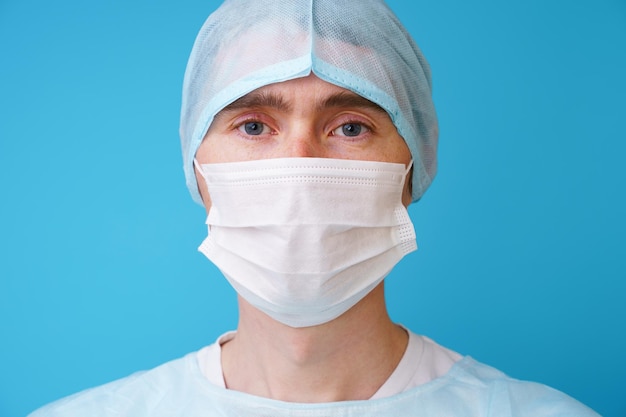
[[522, 236]]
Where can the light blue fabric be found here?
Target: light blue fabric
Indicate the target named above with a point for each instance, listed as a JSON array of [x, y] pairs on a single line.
[[178, 388]]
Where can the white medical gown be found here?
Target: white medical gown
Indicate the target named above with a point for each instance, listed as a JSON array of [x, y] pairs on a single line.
[[179, 388]]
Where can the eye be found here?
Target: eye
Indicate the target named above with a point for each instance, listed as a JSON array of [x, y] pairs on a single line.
[[253, 128], [350, 130]]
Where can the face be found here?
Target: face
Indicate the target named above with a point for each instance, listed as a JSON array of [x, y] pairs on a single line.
[[305, 117]]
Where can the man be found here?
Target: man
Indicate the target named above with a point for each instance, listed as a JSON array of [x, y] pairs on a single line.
[[307, 128]]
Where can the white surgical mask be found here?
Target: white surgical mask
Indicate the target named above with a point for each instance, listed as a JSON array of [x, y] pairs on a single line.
[[305, 239]]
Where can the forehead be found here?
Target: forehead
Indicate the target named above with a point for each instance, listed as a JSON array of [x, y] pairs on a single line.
[[306, 91]]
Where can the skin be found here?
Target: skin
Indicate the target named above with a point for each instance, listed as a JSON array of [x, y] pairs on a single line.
[[350, 357]]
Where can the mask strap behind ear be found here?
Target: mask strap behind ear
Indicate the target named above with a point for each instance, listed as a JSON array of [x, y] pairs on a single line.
[[197, 165], [408, 168]]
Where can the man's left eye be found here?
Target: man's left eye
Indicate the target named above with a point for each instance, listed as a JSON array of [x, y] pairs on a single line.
[[349, 130]]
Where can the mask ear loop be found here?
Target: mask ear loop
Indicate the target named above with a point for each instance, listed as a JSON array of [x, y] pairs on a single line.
[[408, 168], [196, 164], [409, 179]]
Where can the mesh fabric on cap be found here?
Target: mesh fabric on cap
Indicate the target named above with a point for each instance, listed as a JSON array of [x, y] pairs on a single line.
[[356, 44]]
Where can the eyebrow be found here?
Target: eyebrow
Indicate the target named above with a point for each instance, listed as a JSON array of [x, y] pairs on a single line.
[[258, 99], [349, 99]]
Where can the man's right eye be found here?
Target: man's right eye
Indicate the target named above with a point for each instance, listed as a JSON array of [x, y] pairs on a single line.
[[253, 128]]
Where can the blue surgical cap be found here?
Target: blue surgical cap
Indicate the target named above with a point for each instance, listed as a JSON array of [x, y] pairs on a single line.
[[359, 45]]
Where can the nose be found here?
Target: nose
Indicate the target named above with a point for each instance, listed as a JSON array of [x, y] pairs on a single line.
[[303, 144], [302, 148]]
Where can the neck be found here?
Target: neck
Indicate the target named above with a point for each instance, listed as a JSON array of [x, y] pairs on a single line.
[[348, 358]]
